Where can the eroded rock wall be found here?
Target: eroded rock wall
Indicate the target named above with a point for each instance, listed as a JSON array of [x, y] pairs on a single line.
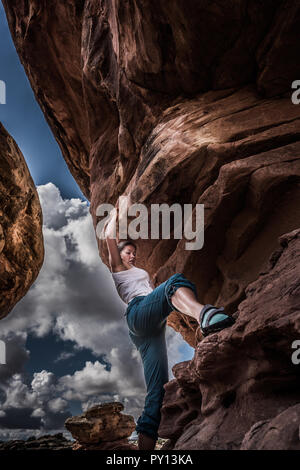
[[189, 102], [21, 239], [241, 389]]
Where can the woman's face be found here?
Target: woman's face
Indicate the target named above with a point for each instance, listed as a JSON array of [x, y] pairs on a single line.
[[128, 254]]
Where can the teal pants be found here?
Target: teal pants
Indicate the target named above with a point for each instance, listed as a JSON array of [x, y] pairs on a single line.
[[146, 318]]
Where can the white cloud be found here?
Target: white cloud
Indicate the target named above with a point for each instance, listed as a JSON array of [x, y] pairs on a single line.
[[18, 395], [43, 383], [64, 356], [38, 413], [57, 404], [58, 211]]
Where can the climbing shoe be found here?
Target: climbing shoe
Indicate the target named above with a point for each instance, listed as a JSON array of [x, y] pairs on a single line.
[[213, 319]]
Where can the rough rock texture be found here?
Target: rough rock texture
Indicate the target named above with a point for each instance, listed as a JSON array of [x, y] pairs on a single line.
[[21, 239], [46, 442], [244, 375], [189, 102], [281, 432], [102, 427]]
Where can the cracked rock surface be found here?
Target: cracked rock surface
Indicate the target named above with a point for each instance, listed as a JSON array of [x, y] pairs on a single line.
[[244, 375], [102, 427], [21, 239]]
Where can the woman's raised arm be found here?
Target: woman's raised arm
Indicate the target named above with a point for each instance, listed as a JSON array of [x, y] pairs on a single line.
[[115, 259]]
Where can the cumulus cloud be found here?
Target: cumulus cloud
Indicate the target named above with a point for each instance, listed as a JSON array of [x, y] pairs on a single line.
[[73, 297], [30, 406], [57, 405], [57, 212]]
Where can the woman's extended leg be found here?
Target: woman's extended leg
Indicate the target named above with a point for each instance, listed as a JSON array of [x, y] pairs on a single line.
[[183, 298], [180, 294], [186, 302], [153, 352], [154, 308], [146, 318]]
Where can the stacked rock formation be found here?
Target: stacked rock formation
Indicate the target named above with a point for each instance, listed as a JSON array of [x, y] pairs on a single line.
[[189, 103], [102, 427], [21, 239]]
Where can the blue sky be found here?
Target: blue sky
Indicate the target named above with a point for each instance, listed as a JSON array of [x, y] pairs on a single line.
[[24, 120], [66, 339]]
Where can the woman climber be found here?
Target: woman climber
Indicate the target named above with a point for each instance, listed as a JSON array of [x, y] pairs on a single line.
[[146, 314]]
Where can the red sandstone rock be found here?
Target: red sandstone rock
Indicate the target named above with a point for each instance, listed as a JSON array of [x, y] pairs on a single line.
[[243, 374], [279, 433], [152, 103], [21, 239], [102, 427]]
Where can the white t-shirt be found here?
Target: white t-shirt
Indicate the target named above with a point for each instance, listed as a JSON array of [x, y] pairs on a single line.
[[132, 282]]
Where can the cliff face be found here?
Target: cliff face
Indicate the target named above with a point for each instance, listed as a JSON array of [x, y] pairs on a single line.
[[187, 102], [21, 239], [241, 390]]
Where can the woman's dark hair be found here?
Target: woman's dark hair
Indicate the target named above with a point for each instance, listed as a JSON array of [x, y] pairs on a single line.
[[124, 243]]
